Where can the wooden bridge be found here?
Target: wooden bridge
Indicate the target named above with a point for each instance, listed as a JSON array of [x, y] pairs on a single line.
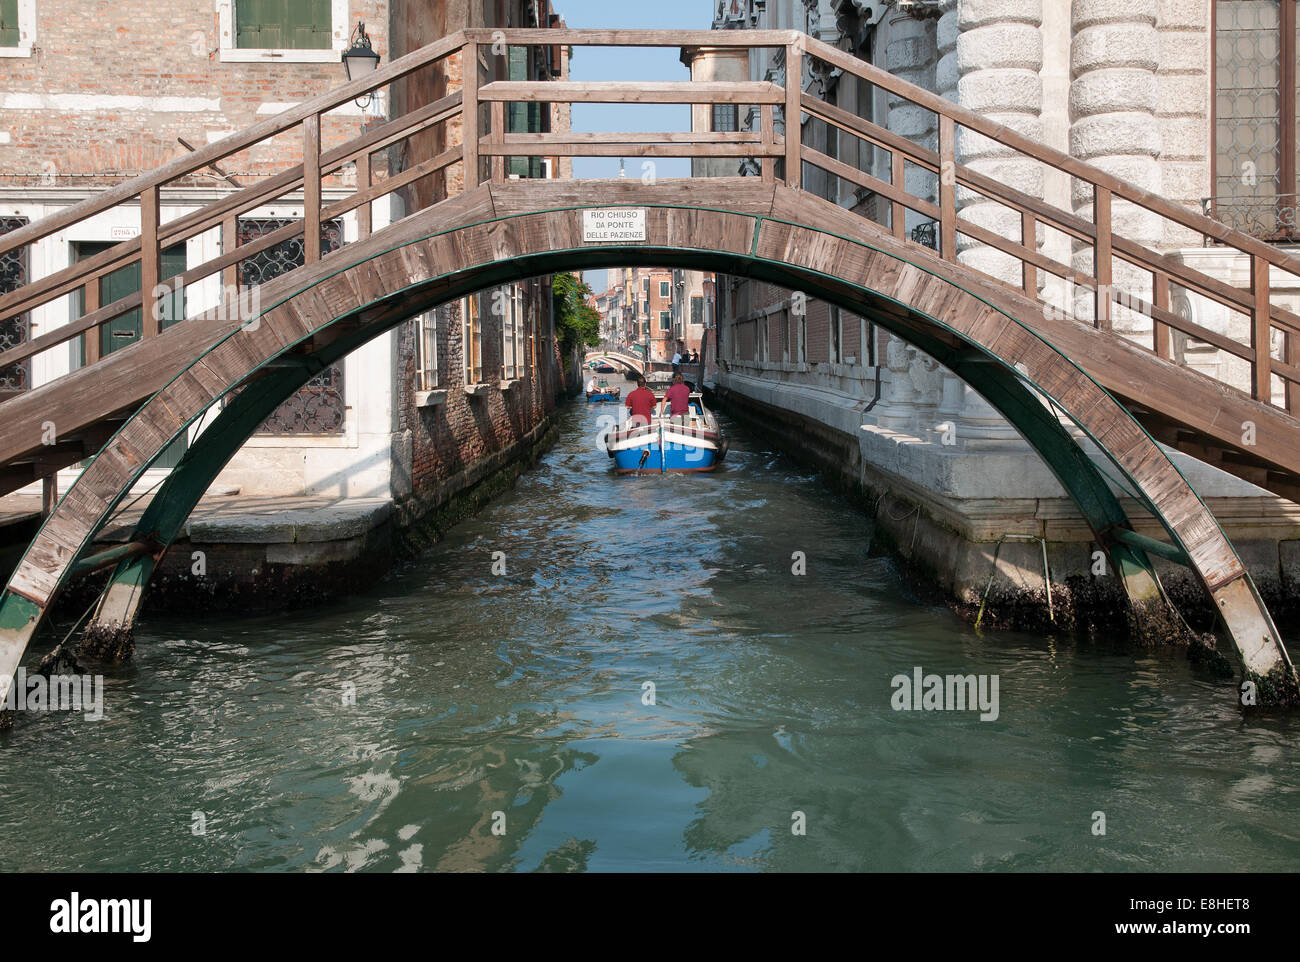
[[125, 408]]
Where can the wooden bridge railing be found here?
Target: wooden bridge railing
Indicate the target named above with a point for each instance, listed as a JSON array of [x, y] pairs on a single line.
[[295, 132], [1111, 252], [777, 147]]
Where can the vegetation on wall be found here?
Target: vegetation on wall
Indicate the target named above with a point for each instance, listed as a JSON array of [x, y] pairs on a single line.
[[576, 322]]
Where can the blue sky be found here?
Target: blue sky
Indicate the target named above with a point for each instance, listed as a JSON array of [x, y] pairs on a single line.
[[630, 63]]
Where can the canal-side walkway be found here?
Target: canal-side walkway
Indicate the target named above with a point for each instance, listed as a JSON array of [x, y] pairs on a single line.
[[240, 551]]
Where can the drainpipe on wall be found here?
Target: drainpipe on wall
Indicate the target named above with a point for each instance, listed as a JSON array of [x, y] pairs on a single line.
[[876, 397]]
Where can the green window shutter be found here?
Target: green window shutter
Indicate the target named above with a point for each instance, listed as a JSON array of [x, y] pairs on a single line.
[[283, 24], [8, 23], [248, 23], [173, 263]]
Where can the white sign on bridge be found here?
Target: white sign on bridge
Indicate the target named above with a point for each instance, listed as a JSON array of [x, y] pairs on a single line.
[[613, 224]]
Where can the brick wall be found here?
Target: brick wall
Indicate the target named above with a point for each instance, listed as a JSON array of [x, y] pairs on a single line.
[[450, 437], [64, 106], [782, 326], [662, 342], [110, 86]]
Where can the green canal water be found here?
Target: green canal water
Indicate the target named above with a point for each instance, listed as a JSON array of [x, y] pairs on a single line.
[[517, 702]]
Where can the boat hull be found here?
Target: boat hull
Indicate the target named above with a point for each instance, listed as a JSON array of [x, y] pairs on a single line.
[[635, 449], [664, 447], [687, 449], [594, 397]]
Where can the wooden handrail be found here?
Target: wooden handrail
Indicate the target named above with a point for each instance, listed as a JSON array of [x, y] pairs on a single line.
[[127, 252], [1050, 156], [242, 140], [623, 92]]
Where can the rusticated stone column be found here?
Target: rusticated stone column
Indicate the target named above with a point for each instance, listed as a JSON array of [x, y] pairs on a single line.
[[1183, 110], [1114, 56], [946, 75], [897, 409], [999, 53], [910, 55]]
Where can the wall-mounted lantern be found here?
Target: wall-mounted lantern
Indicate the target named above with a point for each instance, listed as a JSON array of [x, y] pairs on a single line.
[[360, 60]]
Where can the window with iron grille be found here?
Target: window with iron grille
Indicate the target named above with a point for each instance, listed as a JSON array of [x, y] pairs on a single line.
[[725, 117], [319, 406], [14, 330], [426, 350], [1256, 98], [283, 24]]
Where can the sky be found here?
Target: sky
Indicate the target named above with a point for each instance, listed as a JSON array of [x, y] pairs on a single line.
[[630, 63]]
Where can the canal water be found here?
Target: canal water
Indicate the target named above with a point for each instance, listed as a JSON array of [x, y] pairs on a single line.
[[503, 722]]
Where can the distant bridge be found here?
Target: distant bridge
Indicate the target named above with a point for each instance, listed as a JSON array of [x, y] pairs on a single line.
[[124, 409], [632, 364]]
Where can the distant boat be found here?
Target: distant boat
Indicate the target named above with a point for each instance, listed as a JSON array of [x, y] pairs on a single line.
[[603, 392], [606, 369], [693, 444]]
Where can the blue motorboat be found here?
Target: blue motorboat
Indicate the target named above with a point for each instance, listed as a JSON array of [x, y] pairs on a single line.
[[688, 443]]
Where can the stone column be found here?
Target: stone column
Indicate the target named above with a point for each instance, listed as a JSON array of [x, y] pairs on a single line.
[[1114, 56], [907, 404], [999, 53], [946, 75], [910, 55], [1184, 111]]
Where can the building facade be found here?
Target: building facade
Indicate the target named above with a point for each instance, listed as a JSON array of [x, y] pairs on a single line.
[[1194, 100], [654, 311]]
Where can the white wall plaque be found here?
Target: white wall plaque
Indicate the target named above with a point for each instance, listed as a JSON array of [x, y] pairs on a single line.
[[613, 224]]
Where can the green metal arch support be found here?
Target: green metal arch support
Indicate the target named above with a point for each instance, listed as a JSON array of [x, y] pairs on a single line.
[[213, 448], [180, 493]]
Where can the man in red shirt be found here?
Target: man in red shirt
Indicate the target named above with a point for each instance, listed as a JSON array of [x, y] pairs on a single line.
[[679, 399], [641, 403]]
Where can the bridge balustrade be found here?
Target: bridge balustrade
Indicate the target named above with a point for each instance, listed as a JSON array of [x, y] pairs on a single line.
[[1103, 278]]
